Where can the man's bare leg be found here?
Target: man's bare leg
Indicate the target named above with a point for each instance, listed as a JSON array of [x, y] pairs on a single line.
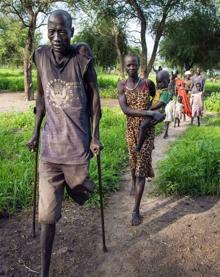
[[136, 217], [198, 118], [133, 183], [46, 240], [166, 131]]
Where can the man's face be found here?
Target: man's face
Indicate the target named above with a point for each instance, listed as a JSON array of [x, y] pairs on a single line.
[[198, 86], [131, 66], [59, 33]]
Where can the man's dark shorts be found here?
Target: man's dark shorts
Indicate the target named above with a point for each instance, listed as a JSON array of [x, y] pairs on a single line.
[[53, 179]]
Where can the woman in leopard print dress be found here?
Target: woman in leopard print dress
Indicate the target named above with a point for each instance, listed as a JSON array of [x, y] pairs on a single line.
[[139, 99], [135, 100]]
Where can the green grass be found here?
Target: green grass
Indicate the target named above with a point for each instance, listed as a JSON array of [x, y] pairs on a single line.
[[192, 166], [211, 87], [212, 102], [16, 162], [13, 80]]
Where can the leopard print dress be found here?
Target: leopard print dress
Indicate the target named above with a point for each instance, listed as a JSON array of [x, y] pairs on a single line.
[[140, 162]]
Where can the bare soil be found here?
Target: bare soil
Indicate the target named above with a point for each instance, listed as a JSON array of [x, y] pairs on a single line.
[[178, 237]]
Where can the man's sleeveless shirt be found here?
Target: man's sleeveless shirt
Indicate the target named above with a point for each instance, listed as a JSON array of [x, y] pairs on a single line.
[[66, 135]]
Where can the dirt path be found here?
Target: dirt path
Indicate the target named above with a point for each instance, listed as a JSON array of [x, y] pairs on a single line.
[[15, 101], [178, 237]]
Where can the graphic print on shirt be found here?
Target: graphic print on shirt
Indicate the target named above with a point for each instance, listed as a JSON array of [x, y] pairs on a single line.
[[61, 94]]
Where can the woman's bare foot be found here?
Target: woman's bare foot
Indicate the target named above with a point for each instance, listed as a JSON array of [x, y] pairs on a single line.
[[136, 219]]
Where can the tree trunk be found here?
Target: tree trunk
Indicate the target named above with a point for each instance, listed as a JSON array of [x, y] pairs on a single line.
[[119, 53], [153, 56], [158, 36], [140, 14], [28, 85], [27, 63], [143, 48]]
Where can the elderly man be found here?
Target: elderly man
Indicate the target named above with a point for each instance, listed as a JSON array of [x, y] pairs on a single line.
[[68, 95]]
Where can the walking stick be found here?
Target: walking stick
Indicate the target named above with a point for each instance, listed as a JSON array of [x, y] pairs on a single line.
[[35, 187], [35, 192], [101, 202]]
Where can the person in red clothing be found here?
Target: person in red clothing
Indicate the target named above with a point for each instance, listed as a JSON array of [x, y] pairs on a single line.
[[181, 91]]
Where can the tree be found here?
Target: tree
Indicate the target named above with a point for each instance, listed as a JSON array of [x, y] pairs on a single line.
[[110, 25], [153, 17], [100, 44], [12, 41], [194, 40], [27, 12]]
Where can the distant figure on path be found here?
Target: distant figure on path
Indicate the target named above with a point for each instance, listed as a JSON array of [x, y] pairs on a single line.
[[157, 70], [197, 103], [198, 78], [178, 111], [181, 91]]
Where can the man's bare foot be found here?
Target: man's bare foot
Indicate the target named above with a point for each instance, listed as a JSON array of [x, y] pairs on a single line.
[[136, 219], [132, 192]]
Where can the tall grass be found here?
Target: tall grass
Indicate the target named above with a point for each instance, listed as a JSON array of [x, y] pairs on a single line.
[[212, 102], [211, 87], [16, 162], [192, 166], [13, 80]]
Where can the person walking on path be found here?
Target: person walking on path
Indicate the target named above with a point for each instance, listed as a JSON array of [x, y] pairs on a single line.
[[198, 78], [197, 103], [181, 91], [178, 111], [135, 101], [68, 95]]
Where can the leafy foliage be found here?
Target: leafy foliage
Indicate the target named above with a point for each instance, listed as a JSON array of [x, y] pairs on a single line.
[[193, 40], [101, 38]]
